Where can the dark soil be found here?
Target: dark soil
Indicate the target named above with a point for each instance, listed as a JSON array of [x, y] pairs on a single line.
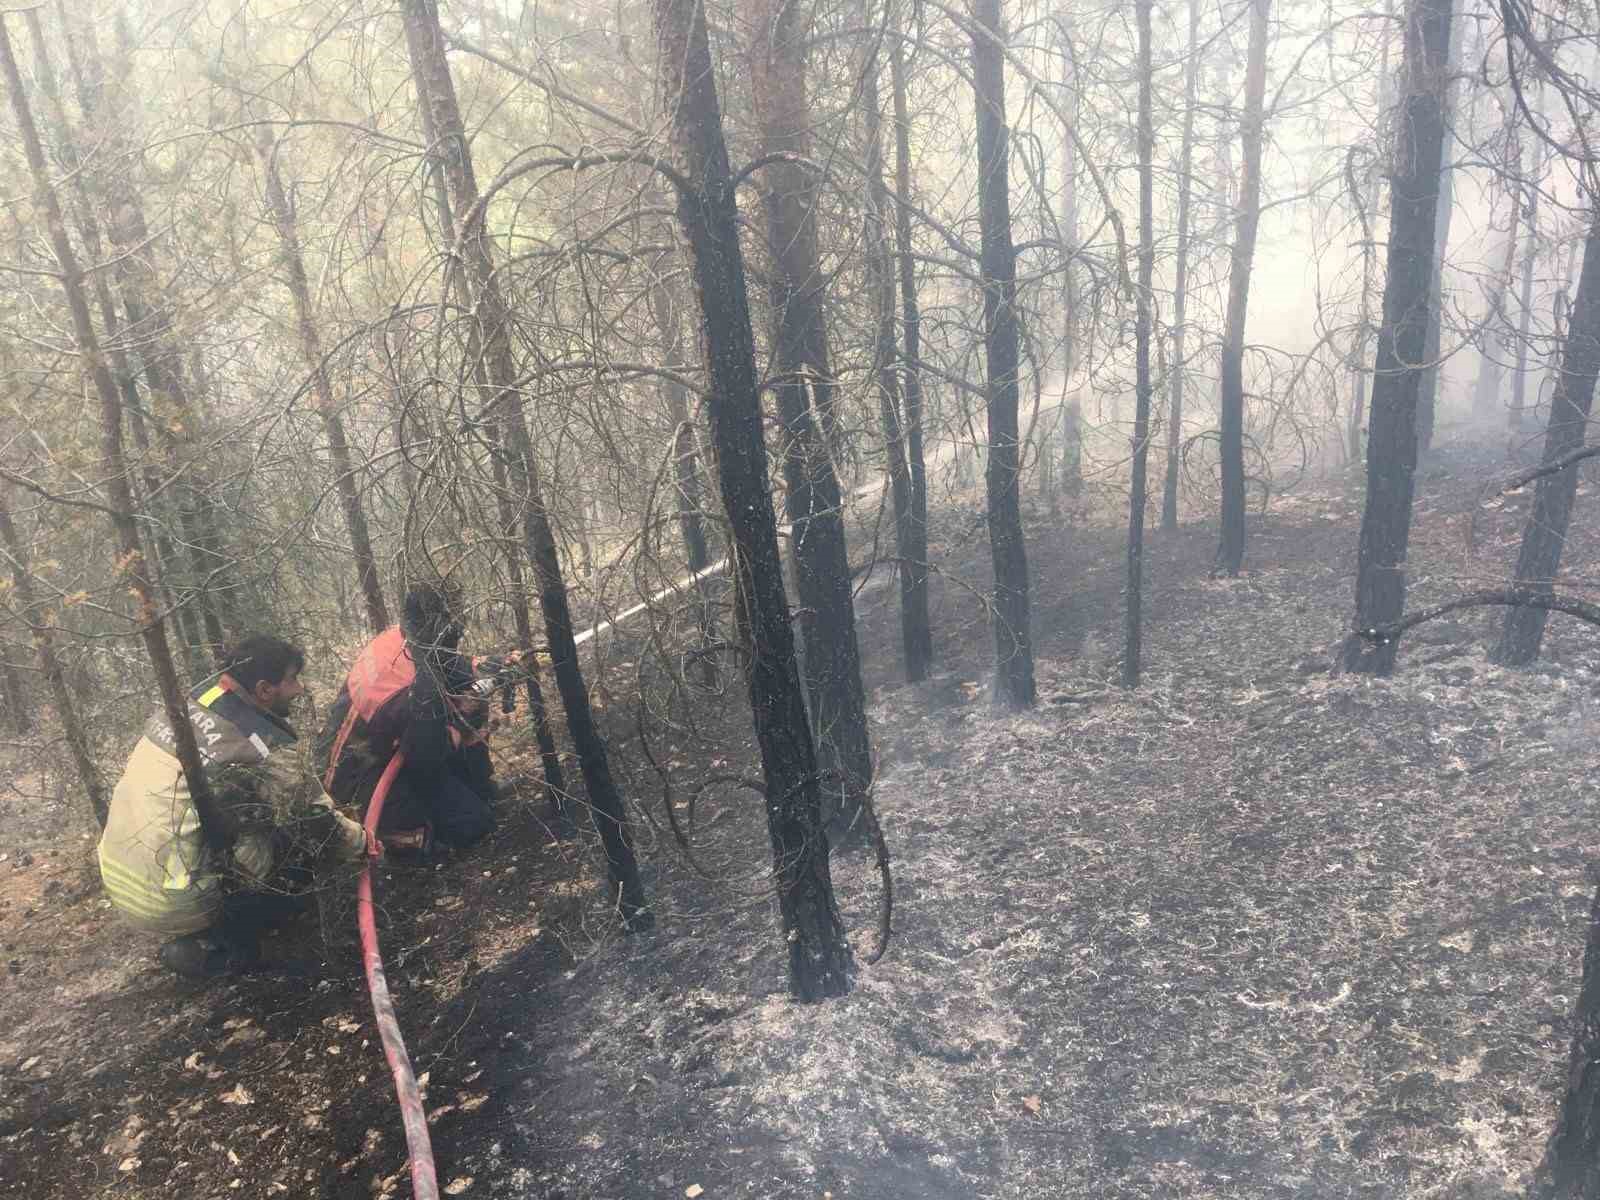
[[1253, 930]]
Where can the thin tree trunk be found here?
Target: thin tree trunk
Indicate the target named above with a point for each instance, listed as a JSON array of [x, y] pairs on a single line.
[[664, 304], [880, 282], [814, 502], [18, 707], [1013, 639], [1544, 537], [917, 625], [43, 635], [163, 359], [119, 495], [1132, 654], [1230, 550], [1392, 447], [1180, 283], [443, 130], [344, 475], [1072, 407], [1444, 208], [820, 963], [1486, 399], [1530, 255]]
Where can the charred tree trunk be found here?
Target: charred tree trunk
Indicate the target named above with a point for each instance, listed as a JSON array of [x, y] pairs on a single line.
[[43, 635], [917, 626], [119, 495], [1545, 535], [1570, 1169], [344, 475], [815, 506], [1230, 551], [1180, 283], [820, 963], [444, 131], [1444, 209], [1486, 398], [668, 314], [1392, 446], [18, 708], [1132, 653], [1013, 638]]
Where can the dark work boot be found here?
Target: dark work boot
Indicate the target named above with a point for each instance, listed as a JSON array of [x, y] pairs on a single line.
[[207, 956]]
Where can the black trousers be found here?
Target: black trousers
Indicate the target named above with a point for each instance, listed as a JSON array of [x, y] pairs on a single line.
[[457, 799]]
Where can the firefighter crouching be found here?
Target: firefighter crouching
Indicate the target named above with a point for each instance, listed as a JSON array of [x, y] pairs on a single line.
[[412, 691], [214, 891]]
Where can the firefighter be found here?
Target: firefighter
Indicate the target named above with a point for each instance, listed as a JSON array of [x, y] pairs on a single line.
[[214, 884], [413, 691]]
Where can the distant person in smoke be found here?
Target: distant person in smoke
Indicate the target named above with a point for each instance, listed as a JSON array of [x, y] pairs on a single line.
[[218, 881], [414, 692]]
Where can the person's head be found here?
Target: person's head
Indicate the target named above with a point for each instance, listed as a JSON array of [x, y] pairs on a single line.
[[268, 670], [432, 615]]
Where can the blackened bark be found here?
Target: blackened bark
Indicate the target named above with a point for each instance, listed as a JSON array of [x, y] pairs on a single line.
[[813, 499], [1545, 535], [133, 563], [344, 475], [917, 625], [1180, 283], [1571, 1164], [1132, 649], [1444, 209], [18, 707], [1392, 445], [43, 635], [1230, 550], [820, 963], [445, 133], [1013, 639]]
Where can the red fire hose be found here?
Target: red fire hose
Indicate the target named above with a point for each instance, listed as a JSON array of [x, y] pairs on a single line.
[[424, 1184]]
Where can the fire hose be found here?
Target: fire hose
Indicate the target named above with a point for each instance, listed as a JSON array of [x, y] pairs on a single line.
[[424, 1183]]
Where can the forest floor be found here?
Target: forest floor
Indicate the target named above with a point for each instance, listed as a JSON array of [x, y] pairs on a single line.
[[1253, 930]]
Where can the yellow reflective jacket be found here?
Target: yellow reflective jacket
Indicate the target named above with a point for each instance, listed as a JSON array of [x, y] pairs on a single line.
[[154, 861]]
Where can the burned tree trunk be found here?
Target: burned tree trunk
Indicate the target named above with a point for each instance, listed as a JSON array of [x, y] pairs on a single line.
[[815, 506], [43, 635], [1132, 651], [1571, 1164], [1545, 535], [820, 963], [880, 279], [1444, 210], [133, 563], [917, 627], [1180, 283], [344, 475], [1013, 638], [1230, 551], [441, 115], [1392, 446]]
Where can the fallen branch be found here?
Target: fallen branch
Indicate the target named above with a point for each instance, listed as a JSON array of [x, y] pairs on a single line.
[[1509, 597], [1551, 468]]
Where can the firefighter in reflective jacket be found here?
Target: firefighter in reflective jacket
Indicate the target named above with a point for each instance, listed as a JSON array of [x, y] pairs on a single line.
[[217, 889], [411, 690]]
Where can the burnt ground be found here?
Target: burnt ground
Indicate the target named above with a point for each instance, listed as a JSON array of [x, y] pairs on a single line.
[[1254, 930]]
